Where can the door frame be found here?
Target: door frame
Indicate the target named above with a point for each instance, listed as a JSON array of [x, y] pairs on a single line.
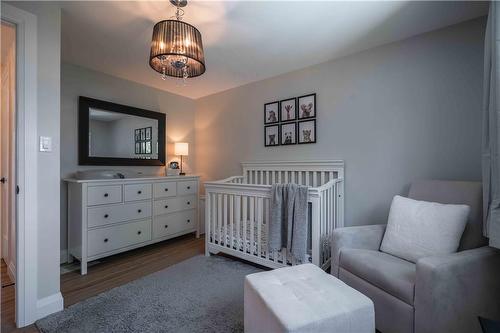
[[26, 163]]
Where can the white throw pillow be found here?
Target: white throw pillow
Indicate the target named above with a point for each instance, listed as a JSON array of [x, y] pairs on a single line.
[[417, 229]]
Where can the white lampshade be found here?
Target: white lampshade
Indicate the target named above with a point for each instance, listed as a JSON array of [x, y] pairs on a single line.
[[181, 148]]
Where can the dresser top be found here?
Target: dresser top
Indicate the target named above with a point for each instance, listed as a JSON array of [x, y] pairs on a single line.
[[144, 178]]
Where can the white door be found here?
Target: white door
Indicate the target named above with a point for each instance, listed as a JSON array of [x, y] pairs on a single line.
[[7, 145]]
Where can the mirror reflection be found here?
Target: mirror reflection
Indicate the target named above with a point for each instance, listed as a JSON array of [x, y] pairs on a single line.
[[120, 135]]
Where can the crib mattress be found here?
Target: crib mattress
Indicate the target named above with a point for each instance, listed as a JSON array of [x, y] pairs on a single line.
[[250, 247]]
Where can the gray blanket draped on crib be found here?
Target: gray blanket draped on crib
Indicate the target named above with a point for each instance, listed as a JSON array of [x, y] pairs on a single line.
[[288, 225]]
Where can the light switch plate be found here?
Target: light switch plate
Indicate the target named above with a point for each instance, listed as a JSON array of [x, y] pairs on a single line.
[[45, 143]]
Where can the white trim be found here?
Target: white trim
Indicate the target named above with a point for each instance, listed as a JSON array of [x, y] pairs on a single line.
[[49, 305], [26, 131]]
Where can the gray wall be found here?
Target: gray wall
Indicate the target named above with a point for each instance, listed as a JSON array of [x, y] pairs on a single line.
[[49, 50], [400, 112], [78, 81]]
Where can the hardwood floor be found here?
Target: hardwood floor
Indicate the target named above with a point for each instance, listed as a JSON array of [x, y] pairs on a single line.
[[112, 272]]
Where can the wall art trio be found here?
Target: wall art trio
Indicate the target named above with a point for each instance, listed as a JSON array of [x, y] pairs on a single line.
[[290, 121]]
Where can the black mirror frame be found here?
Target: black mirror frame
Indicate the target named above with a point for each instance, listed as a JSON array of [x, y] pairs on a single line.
[[84, 158]]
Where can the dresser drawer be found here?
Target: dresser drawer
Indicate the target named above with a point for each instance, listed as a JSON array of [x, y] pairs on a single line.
[[115, 237], [167, 206], [164, 190], [103, 215], [187, 187], [136, 192], [105, 194], [188, 202], [173, 223]]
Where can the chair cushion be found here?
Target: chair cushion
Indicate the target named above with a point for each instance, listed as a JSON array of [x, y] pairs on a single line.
[[391, 274], [417, 229]]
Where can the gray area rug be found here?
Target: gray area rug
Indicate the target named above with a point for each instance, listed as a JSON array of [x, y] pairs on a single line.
[[201, 294]]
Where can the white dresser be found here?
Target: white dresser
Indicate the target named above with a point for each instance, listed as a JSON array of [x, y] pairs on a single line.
[[108, 216]]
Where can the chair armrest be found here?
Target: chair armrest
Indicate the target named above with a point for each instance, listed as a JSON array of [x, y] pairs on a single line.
[[451, 291], [366, 237]]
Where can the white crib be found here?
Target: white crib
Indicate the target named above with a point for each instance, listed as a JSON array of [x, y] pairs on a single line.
[[237, 210]]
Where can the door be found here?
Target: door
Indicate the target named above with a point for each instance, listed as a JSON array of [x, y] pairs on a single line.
[[7, 147]]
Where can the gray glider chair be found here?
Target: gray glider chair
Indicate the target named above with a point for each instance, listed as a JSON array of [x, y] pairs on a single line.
[[441, 294]]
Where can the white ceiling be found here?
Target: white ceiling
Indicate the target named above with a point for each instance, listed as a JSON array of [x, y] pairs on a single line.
[[245, 41]]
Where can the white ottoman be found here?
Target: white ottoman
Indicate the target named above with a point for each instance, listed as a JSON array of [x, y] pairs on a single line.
[[304, 298]]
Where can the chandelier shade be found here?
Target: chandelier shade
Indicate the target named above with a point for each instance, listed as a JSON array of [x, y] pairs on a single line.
[[177, 49]]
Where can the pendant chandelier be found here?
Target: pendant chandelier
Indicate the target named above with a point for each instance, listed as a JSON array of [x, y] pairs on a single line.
[[176, 47]]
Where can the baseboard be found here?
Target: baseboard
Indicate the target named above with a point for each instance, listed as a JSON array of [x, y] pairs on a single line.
[[63, 256], [11, 270], [48, 305]]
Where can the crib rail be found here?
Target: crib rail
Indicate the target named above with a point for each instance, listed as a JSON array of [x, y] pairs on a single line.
[[237, 220]]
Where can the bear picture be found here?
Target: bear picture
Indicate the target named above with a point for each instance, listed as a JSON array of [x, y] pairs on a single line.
[[307, 131], [288, 134], [307, 106], [271, 136], [271, 113]]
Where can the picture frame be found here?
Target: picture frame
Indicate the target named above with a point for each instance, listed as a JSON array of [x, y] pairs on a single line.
[[288, 133], [306, 106], [271, 135], [288, 109], [306, 131], [271, 113]]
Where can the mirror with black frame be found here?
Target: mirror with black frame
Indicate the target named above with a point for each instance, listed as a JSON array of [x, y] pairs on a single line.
[[115, 134]]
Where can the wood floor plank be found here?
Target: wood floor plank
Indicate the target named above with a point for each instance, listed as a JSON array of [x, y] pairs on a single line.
[[111, 272]]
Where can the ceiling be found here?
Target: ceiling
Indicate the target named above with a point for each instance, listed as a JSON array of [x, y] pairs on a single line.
[[245, 41]]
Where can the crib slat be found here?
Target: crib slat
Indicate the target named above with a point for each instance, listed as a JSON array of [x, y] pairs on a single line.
[[259, 226], [231, 220], [237, 210], [225, 219], [266, 219], [244, 222], [252, 219], [219, 217]]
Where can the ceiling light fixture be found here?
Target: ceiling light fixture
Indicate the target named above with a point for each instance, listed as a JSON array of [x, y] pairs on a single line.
[[176, 47]]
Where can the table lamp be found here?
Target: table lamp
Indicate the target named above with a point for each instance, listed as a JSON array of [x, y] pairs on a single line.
[[181, 149]]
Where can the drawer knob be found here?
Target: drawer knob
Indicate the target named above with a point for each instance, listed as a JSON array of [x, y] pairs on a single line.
[[139, 232], [106, 216], [166, 206], [166, 226], [189, 221], [139, 211], [189, 187], [106, 195], [188, 203], [139, 192], [105, 240], [166, 189]]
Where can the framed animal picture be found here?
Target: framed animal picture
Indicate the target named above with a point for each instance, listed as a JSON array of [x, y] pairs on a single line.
[[307, 131], [307, 106], [288, 134], [288, 109], [272, 135], [271, 113]]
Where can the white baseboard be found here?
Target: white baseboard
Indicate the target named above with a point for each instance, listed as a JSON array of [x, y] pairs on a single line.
[[63, 256], [12, 272], [48, 305]]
